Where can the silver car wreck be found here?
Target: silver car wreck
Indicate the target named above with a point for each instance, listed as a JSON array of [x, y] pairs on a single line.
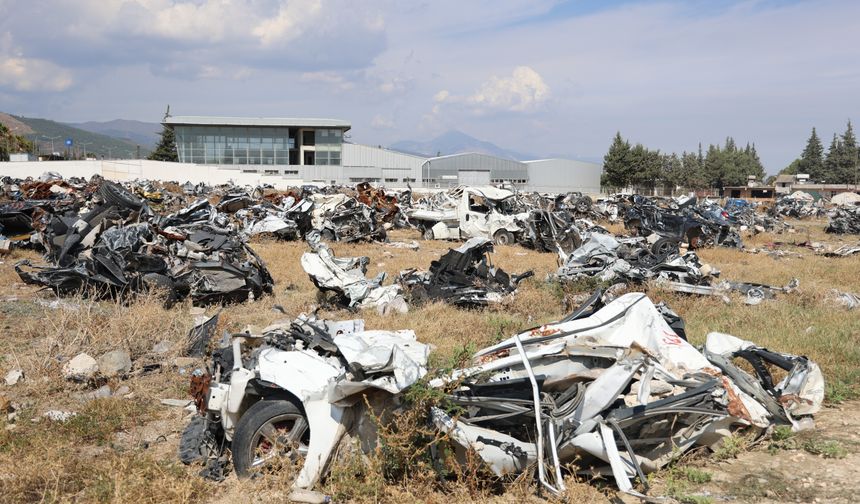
[[612, 387], [468, 212]]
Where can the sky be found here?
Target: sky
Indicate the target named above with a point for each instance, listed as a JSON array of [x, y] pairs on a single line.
[[549, 77]]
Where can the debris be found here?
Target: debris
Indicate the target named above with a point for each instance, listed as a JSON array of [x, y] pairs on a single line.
[[177, 403], [463, 276], [615, 387], [114, 363], [120, 246], [345, 277], [845, 198], [14, 376], [844, 220], [81, 368], [848, 300], [200, 335], [59, 416]]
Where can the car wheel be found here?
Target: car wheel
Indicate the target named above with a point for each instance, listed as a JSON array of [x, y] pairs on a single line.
[[268, 430]]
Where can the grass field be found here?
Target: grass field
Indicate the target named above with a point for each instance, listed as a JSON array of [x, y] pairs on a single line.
[[123, 448]]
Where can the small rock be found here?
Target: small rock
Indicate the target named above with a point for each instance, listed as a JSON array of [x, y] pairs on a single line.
[[59, 416], [115, 363], [121, 391], [14, 376], [11, 417], [308, 496], [11, 426], [81, 368], [99, 393], [178, 403], [162, 347]]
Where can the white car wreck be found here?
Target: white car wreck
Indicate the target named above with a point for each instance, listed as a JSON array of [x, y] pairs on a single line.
[[469, 212], [614, 387]]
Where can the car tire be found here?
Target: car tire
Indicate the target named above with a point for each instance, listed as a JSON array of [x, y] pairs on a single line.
[[256, 428], [503, 237]]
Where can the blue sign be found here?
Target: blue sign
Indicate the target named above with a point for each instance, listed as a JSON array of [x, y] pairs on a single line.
[[68, 142]]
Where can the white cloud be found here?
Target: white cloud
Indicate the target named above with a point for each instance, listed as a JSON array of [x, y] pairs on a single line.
[[333, 79], [524, 91], [292, 19], [20, 73], [382, 122]]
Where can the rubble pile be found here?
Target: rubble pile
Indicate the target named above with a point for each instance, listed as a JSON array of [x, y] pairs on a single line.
[[615, 388], [844, 220], [639, 260], [683, 220], [798, 204], [345, 277], [115, 245], [463, 276], [746, 218]]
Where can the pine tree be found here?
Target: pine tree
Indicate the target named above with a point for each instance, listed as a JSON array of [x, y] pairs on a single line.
[[166, 148], [831, 162], [846, 169], [812, 158], [616, 164]]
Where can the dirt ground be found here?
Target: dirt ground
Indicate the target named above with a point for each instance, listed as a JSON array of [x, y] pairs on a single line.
[[123, 447]]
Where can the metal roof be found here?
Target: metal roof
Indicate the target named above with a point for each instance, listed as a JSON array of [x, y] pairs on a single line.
[[296, 122]]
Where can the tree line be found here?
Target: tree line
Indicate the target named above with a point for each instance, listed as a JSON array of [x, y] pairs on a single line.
[[839, 165], [719, 166]]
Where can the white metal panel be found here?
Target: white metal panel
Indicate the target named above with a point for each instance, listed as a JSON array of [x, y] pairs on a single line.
[[474, 177]]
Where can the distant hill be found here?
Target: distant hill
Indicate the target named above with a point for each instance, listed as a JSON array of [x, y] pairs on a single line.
[[140, 133], [456, 142], [42, 130]]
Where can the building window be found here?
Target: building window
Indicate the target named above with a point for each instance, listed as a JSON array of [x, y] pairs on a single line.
[[291, 172], [271, 172], [407, 179], [308, 137], [391, 180]]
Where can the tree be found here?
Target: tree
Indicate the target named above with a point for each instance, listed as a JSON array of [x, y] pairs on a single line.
[[616, 164], [166, 148], [831, 162], [846, 170], [812, 158], [795, 167]]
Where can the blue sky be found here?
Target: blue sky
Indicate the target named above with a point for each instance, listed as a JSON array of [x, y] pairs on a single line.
[[541, 76]]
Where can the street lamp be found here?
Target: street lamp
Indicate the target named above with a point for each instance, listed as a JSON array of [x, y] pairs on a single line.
[[84, 145]]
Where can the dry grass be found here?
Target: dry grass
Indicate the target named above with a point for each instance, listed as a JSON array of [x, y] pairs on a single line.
[[119, 449]]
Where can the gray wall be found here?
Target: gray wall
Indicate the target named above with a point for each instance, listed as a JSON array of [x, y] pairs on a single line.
[[444, 170], [563, 175]]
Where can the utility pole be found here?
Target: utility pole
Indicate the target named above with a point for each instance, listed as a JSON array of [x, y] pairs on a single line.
[[84, 145], [52, 142]]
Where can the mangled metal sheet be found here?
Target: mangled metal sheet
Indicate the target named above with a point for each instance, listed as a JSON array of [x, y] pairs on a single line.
[[345, 276], [464, 276]]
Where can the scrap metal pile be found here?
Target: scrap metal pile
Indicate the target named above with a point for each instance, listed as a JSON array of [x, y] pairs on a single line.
[[612, 390], [684, 220], [798, 204], [113, 244], [638, 260], [844, 220]]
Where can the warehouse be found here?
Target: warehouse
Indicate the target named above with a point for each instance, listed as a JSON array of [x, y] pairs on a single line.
[[313, 150]]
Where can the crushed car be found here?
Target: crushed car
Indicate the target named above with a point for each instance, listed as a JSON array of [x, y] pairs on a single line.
[[464, 276], [612, 388], [468, 212]]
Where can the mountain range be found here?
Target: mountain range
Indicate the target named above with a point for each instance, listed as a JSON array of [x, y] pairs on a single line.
[[50, 135], [121, 137], [457, 142]]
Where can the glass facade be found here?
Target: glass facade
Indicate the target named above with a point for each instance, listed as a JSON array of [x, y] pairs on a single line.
[[235, 145]]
